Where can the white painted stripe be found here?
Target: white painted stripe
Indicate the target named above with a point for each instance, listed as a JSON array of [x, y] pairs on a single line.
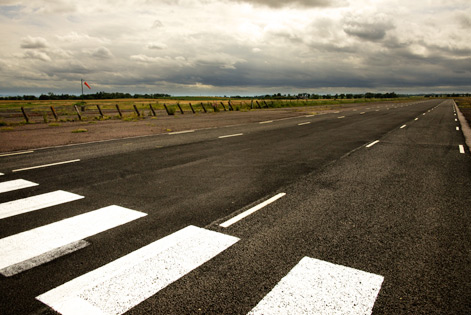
[[416, 119], [457, 128], [423, 114], [403, 126], [317, 287], [122, 284], [340, 117], [461, 148], [266, 122], [251, 210], [15, 185], [12, 208], [32, 243], [362, 113], [1, 174], [234, 135], [308, 116], [43, 258], [304, 123], [15, 153], [45, 165], [372, 143], [180, 132], [456, 119]]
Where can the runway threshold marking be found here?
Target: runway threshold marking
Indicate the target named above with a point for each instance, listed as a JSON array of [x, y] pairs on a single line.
[[229, 136], [250, 211], [15, 185], [372, 144], [20, 206], [122, 284], [318, 287], [45, 165], [15, 153], [461, 147], [20, 248]]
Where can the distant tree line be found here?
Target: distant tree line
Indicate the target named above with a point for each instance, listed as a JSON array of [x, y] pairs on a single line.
[[325, 96], [99, 95]]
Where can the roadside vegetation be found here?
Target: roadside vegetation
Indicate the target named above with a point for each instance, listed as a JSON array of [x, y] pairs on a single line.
[[56, 111], [464, 104]]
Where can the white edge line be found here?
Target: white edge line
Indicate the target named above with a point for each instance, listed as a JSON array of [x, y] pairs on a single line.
[[461, 148], [180, 132], [251, 210], [228, 136], [45, 165], [15, 153], [372, 143]]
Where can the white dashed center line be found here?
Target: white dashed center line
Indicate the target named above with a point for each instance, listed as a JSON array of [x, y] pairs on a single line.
[[461, 148], [45, 165], [304, 123], [251, 210], [180, 132], [403, 126], [229, 136], [372, 144], [16, 153]]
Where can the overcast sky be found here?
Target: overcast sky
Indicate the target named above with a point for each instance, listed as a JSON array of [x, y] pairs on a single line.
[[235, 47]]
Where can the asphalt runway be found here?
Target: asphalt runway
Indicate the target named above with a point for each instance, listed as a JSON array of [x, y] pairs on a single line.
[[360, 211]]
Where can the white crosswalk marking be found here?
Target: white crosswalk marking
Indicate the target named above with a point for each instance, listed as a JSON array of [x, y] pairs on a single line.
[[27, 245], [318, 287], [120, 285], [12, 208], [15, 185]]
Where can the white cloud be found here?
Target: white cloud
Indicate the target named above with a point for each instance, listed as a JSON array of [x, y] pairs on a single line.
[[39, 55], [30, 42]]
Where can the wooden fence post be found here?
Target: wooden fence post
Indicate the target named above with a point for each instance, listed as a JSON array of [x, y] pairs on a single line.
[[24, 114], [166, 109], [119, 111], [54, 112], [137, 111], [99, 110], [203, 107], [181, 110], [192, 109], [152, 110], [223, 106], [78, 112], [230, 106]]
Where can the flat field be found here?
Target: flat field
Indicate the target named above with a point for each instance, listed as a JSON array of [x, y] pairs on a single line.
[[55, 111]]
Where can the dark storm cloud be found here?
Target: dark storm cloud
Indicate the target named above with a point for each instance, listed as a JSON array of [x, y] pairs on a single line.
[[371, 31]]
